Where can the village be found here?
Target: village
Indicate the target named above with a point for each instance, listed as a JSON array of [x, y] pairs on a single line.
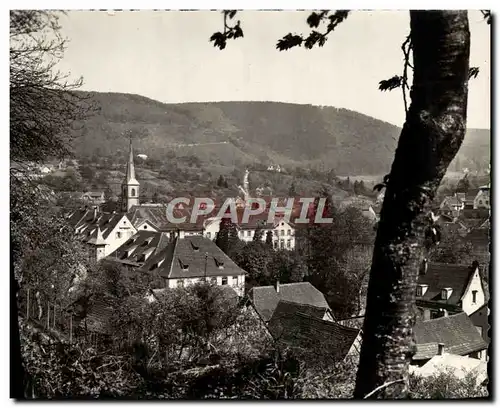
[[452, 327], [262, 248]]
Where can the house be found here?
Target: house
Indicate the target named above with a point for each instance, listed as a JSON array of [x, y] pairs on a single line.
[[94, 197], [454, 334], [455, 203], [176, 262], [480, 320], [265, 299], [482, 199], [445, 289], [103, 232], [309, 336]]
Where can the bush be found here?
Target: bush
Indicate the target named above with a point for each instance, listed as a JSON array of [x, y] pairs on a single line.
[[446, 385]]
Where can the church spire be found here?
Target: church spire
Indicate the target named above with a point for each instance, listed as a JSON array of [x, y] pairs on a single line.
[[130, 176], [130, 187]]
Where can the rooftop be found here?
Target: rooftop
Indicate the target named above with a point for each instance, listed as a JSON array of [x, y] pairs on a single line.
[[308, 333], [265, 298], [456, 332], [440, 276]]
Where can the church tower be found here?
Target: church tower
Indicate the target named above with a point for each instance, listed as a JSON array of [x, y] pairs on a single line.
[[130, 187]]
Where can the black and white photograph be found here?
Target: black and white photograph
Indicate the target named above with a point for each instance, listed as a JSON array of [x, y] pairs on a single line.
[[250, 204]]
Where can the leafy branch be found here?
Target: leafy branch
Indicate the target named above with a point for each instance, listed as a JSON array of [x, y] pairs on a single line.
[[230, 31], [315, 37], [401, 81]]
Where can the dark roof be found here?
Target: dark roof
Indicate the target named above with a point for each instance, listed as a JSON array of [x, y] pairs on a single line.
[[285, 308], [300, 331], [475, 213], [141, 246], [456, 332], [440, 276], [157, 215], [156, 252], [265, 298], [479, 236], [87, 225]]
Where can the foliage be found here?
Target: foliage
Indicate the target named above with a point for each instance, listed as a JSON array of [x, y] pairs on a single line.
[[59, 370], [227, 237], [42, 105], [453, 250], [446, 385]]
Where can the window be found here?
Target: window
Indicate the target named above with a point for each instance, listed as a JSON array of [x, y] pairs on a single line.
[[249, 233], [282, 233], [213, 280], [288, 232], [487, 202], [235, 280], [118, 234], [224, 280], [480, 201], [275, 244], [474, 296], [276, 232], [419, 290], [180, 283], [209, 235], [242, 233], [282, 243], [145, 227], [132, 192], [288, 243]]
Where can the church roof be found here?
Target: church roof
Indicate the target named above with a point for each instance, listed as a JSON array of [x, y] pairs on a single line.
[[130, 175]]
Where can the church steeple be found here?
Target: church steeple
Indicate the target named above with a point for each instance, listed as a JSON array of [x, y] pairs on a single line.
[[130, 187]]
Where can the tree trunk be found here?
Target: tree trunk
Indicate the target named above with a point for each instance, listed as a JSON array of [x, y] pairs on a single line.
[[430, 139]]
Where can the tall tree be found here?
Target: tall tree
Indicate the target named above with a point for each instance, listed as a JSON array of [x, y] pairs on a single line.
[[42, 110], [269, 238], [431, 137]]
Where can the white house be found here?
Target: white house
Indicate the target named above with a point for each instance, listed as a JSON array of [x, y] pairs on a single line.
[[103, 232], [482, 199], [446, 289], [176, 262]]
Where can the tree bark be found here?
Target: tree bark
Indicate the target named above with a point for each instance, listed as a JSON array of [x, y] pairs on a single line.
[[431, 137]]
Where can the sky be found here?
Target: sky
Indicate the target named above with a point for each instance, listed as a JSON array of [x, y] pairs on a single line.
[[166, 56]]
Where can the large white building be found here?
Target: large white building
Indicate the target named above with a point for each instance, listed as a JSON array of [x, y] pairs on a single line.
[[172, 262]]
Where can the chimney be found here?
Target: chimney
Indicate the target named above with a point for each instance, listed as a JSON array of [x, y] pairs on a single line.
[[277, 286], [95, 213], [440, 349]]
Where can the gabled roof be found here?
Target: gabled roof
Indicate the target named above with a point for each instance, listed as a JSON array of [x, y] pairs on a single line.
[[452, 200], [285, 308], [175, 258], [456, 332], [265, 298], [303, 332], [440, 276], [147, 243], [157, 216], [479, 236], [93, 219]]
